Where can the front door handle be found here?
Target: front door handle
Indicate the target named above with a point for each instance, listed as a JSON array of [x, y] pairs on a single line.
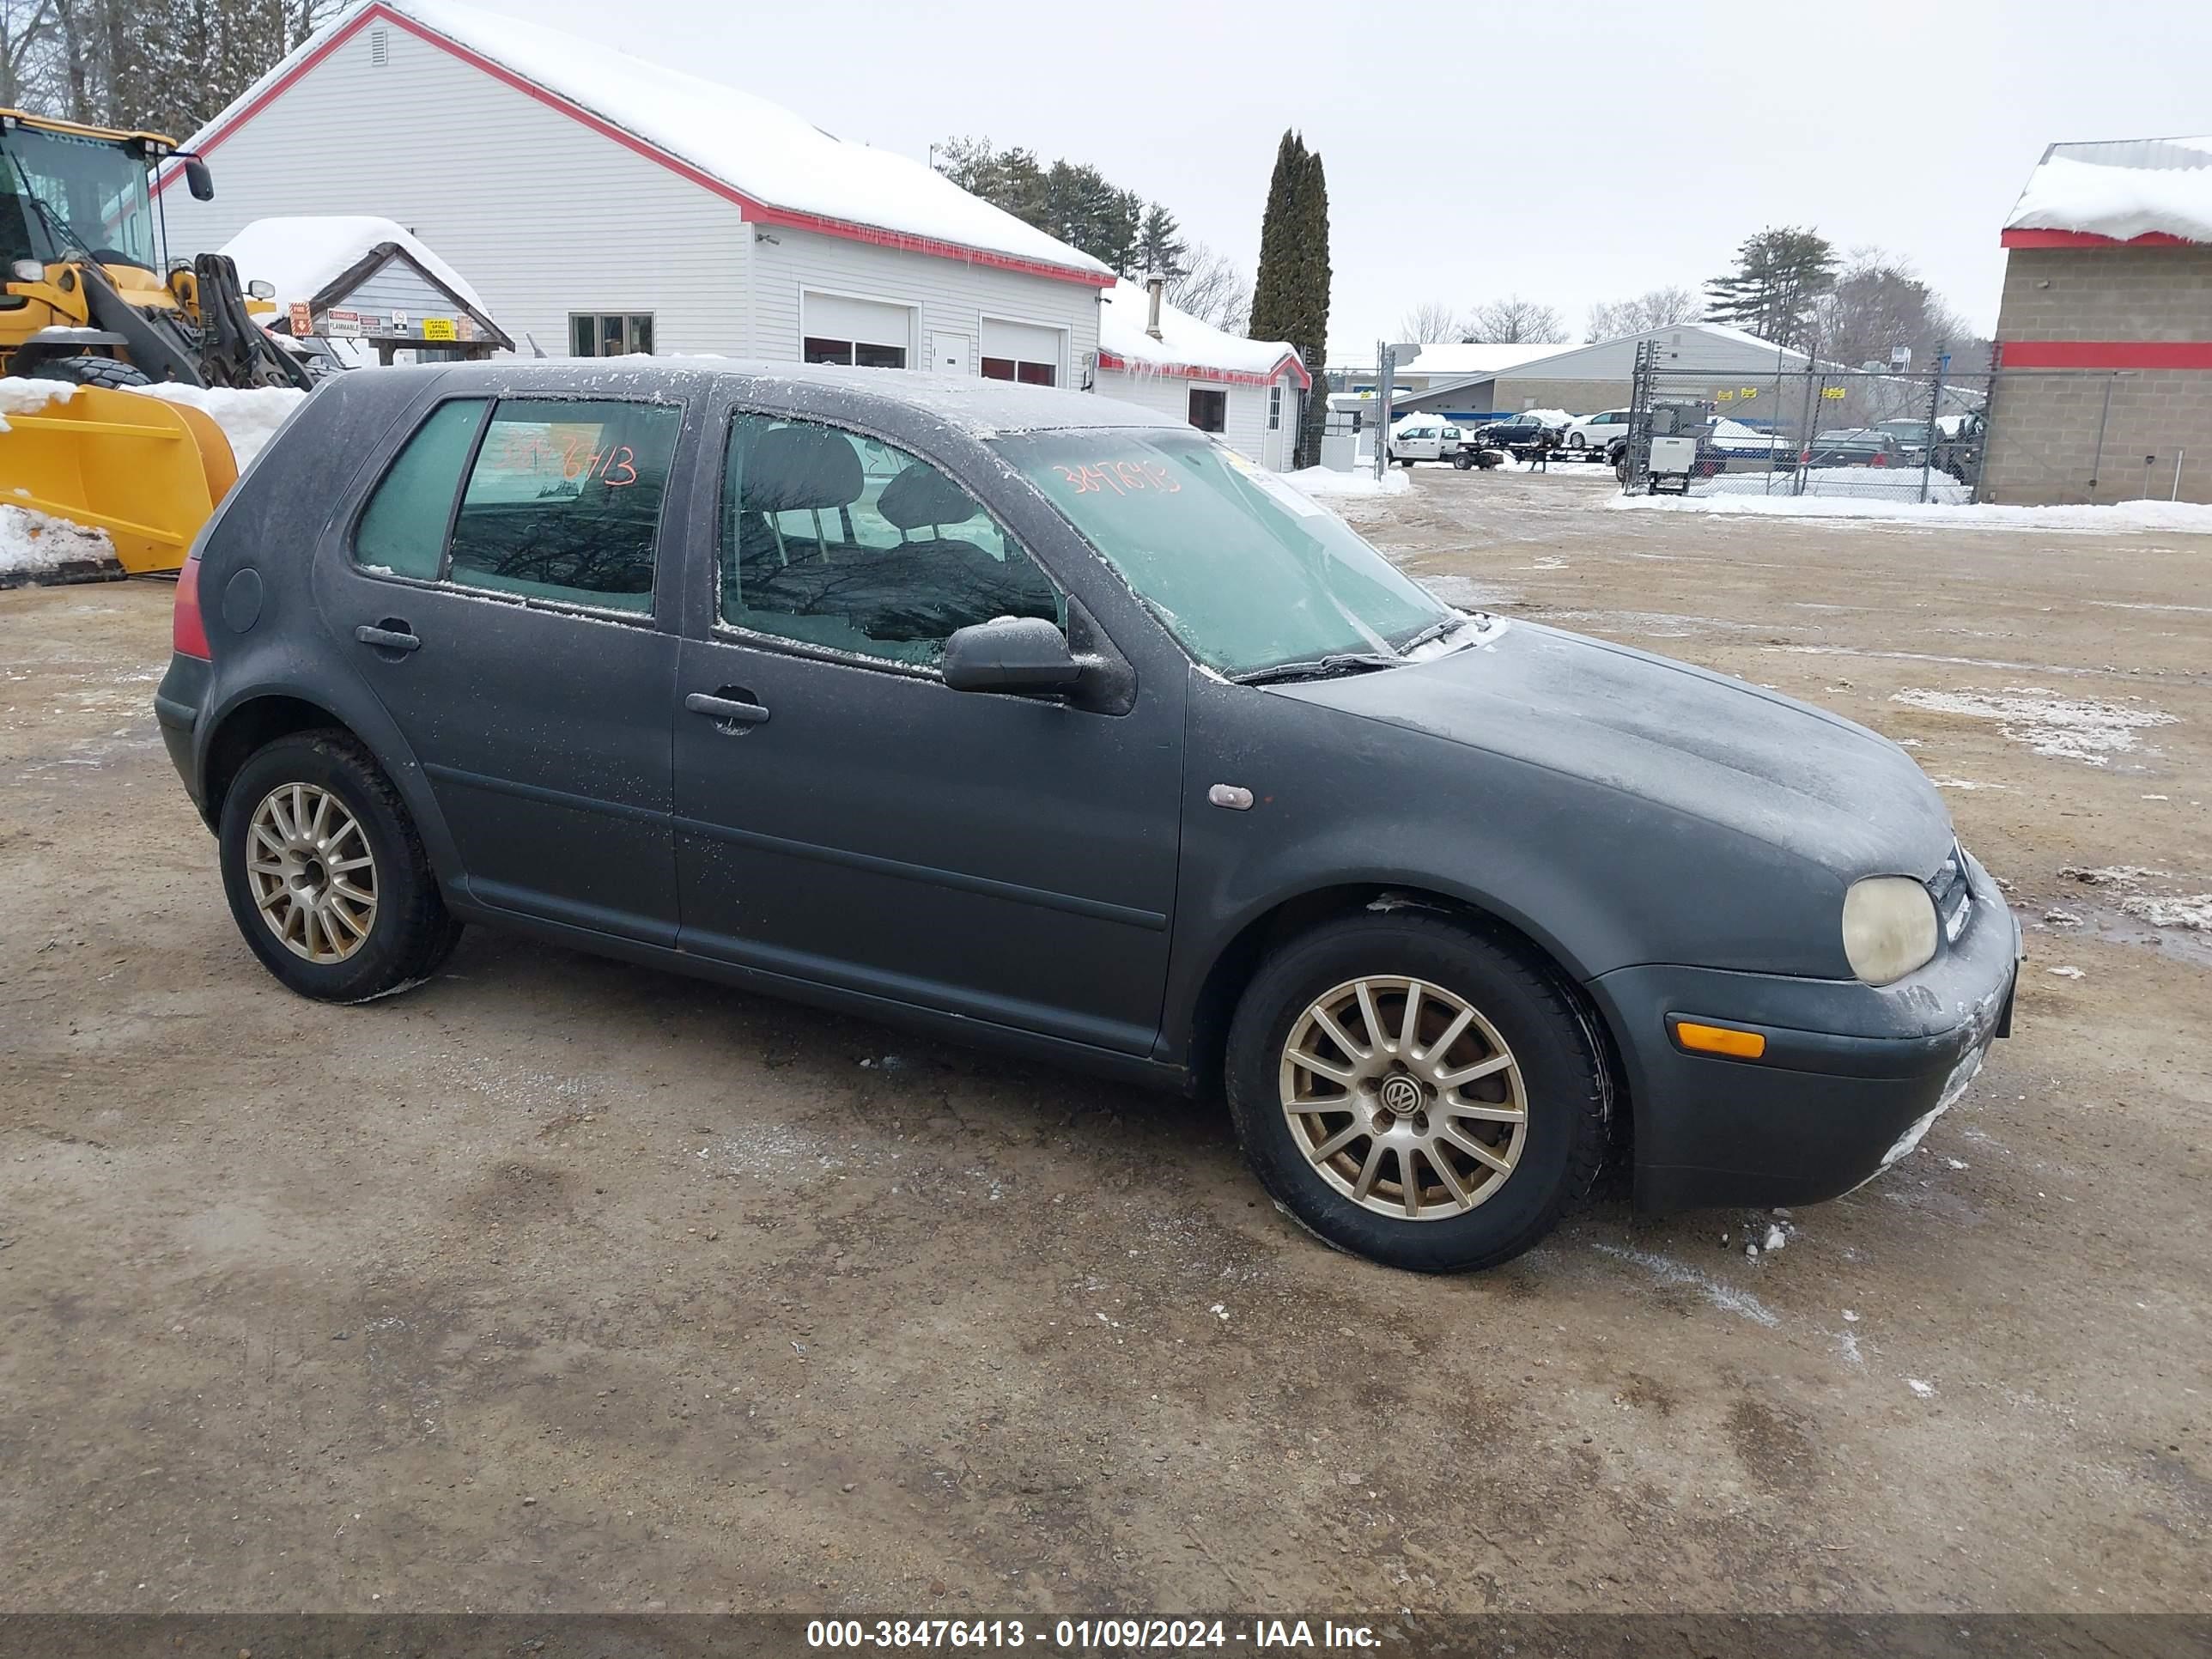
[[394, 638], [736, 712]]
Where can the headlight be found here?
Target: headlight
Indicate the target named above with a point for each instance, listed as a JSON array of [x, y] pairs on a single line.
[[1889, 927]]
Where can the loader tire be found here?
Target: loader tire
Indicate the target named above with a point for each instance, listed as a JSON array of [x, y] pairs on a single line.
[[87, 371]]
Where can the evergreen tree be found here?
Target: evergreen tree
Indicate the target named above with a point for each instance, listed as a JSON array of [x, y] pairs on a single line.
[[1160, 248], [1776, 286], [1290, 301]]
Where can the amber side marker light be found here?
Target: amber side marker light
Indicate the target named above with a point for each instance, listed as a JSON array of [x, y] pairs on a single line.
[[1719, 1040]]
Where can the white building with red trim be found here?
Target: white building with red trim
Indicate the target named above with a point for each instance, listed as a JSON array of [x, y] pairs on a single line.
[[1245, 391], [2104, 341], [600, 204]]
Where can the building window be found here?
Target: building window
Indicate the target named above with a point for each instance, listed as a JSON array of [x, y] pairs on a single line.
[[608, 334], [1013, 368], [1209, 409], [854, 354], [1275, 407]]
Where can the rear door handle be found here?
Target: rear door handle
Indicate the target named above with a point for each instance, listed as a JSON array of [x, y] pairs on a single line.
[[387, 639], [726, 709]]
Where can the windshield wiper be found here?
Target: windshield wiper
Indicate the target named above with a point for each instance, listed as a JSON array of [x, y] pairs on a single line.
[[1434, 631], [1317, 668]]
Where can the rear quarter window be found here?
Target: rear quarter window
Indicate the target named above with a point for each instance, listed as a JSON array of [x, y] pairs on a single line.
[[403, 530]]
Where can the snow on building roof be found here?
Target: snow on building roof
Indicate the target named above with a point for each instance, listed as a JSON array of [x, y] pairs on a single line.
[[301, 255], [780, 167], [2121, 189], [1476, 357], [1186, 346]]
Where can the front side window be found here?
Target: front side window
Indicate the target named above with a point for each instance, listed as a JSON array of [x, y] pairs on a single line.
[[855, 353], [564, 502], [609, 334], [834, 539], [1209, 409], [1243, 569]]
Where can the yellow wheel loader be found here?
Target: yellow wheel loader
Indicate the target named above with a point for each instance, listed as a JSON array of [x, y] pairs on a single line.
[[90, 297]]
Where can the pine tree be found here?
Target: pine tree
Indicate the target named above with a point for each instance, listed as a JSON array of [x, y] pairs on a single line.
[[1160, 248], [1779, 277], [1271, 291]]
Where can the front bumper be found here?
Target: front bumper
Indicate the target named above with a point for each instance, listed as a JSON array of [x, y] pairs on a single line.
[[1851, 1078]]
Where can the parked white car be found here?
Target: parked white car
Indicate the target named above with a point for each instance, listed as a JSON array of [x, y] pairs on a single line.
[[1596, 431]]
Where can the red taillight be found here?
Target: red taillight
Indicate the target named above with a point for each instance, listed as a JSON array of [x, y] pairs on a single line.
[[187, 632]]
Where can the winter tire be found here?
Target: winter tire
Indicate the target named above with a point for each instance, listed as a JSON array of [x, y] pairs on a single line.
[[327, 877], [1575, 441], [1416, 1091]]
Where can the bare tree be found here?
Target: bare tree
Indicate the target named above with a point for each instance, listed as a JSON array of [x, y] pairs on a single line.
[[1430, 323], [1658, 308], [1513, 321], [1878, 302], [1212, 290]]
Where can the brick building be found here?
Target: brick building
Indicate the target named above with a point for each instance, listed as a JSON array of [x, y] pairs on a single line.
[[2105, 332]]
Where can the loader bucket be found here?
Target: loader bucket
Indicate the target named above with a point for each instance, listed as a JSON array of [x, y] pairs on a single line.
[[146, 472]]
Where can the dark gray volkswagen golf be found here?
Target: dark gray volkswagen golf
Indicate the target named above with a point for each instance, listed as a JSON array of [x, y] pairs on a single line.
[[1039, 720]]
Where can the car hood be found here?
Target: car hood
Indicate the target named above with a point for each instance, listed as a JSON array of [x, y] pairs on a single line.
[[1707, 745]]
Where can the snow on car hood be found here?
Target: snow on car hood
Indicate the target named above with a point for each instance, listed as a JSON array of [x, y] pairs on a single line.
[[1707, 745]]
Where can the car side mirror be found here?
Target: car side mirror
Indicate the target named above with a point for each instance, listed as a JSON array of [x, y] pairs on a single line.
[[198, 180], [1009, 653]]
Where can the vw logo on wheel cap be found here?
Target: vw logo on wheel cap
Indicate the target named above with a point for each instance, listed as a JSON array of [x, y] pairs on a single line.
[[1401, 1095]]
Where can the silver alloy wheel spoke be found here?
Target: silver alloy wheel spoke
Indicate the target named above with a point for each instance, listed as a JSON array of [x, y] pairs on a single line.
[[1403, 1097], [321, 906]]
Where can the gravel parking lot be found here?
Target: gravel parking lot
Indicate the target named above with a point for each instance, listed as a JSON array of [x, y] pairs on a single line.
[[560, 1283]]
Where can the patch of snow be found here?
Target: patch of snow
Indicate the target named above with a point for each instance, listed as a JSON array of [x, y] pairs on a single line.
[[302, 254], [1775, 1239], [2193, 911], [1668, 1271], [2113, 875], [2059, 728], [2067, 972], [31, 543], [758, 148], [1967, 785], [1327, 481], [2170, 517], [1925, 1390], [24, 396], [249, 417]]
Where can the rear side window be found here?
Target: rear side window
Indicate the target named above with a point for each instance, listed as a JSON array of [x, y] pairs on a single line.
[[403, 532], [564, 502]]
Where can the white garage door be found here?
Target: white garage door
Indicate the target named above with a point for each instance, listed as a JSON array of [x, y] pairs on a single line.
[[1021, 352], [867, 331]]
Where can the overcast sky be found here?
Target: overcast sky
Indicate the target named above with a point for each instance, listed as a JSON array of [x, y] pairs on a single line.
[[1675, 127]]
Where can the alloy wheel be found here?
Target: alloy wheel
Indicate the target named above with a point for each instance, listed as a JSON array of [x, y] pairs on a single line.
[[1404, 1097], [313, 874]]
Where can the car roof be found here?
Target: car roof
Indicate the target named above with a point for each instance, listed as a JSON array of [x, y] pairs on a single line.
[[981, 408]]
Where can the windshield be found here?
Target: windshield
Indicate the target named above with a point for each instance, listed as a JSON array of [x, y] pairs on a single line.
[[1241, 569], [63, 196]]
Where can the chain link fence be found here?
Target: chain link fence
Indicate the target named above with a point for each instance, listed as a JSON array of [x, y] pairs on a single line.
[[1865, 435]]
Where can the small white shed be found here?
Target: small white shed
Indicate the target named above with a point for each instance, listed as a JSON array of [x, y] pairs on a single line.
[[365, 288], [1244, 391]]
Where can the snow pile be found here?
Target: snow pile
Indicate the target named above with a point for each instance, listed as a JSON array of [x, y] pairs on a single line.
[[1327, 481], [32, 544], [2192, 911], [1475, 357], [2122, 189], [2059, 728], [2171, 518], [1184, 343], [759, 149], [29, 397], [249, 418], [301, 256], [1883, 484]]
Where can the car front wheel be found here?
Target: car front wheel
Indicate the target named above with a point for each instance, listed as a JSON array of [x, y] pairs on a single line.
[[1576, 440], [1416, 1092], [325, 875]]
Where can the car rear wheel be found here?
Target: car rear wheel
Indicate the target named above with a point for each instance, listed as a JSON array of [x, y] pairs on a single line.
[[1416, 1092], [1576, 440], [325, 875]]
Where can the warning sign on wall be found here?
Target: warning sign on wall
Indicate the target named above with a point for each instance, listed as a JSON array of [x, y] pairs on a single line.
[[301, 324]]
